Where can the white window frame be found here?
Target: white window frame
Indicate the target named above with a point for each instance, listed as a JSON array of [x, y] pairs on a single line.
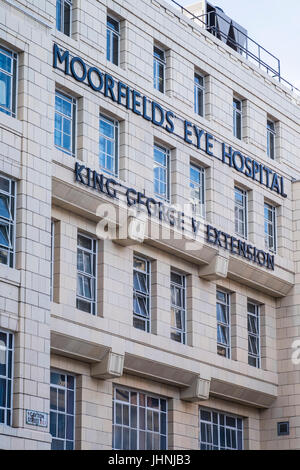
[[198, 88], [273, 224], [138, 429], [110, 39], [183, 309], [227, 305], [147, 298], [13, 74], [72, 119], [61, 27], [11, 222], [215, 422], [157, 63], [115, 143], [165, 168], [198, 205], [237, 112], [244, 208], [7, 350], [257, 335], [271, 134], [93, 277], [65, 413]]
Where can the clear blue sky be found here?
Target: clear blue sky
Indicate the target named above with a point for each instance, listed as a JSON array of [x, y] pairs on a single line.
[[269, 25]]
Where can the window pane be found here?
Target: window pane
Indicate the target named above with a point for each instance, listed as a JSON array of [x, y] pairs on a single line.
[[133, 431]]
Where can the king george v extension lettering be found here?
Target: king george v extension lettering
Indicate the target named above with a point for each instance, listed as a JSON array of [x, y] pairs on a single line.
[[94, 180], [239, 247]]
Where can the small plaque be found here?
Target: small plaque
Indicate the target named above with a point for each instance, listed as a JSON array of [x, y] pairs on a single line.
[[35, 418]]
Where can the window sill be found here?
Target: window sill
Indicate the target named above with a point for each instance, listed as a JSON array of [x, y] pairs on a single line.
[[10, 275], [11, 124]]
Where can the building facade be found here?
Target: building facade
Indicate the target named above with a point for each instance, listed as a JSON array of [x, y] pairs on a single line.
[[149, 232]]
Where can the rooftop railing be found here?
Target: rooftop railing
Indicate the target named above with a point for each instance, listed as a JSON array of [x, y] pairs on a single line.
[[238, 40]]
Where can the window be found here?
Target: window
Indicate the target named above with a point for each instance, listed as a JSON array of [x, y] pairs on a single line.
[[237, 118], [240, 212], [6, 376], [271, 134], [65, 123], [8, 82], [270, 228], [219, 431], [109, 145], [253, 334], [197, 184], [64, 16], [113, 40], [62, 411], [159, 67], [86, 274], [199, 90], [139, 421], [161, 172], [223, 324], [141, 294], [7, 221], [283, 429], [178, 312]]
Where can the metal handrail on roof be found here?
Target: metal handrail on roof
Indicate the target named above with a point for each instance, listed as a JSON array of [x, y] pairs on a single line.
[[247, 47]]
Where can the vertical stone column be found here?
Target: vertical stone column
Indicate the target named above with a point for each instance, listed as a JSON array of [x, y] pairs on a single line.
[[183, 425], [32, 343], [239, 331], [161, 299]]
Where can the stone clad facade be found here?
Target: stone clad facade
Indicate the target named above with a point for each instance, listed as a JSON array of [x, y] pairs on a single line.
[[104, 352]]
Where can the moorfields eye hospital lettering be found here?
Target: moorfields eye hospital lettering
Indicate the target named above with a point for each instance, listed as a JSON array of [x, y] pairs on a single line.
[[153, 112]]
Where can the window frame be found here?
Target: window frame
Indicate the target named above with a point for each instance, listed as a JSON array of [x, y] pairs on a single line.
[[8, 411], [157, 63], [273, 210], [116, 144], [111, 33], [271, 134], [139, 407], [14, 75], [202, 187], [12, 223], [226, 427], [62, 13], [227, 305], [244, 194], [166, 168], [148, 297], [65, 388], [236, 111], [257, 315], [199, 88], [183, 293], [73, 120], [93, 277]]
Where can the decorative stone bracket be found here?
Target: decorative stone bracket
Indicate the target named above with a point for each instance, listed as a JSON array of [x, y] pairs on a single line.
[[198, 390], [217, 269], [110, 367]]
